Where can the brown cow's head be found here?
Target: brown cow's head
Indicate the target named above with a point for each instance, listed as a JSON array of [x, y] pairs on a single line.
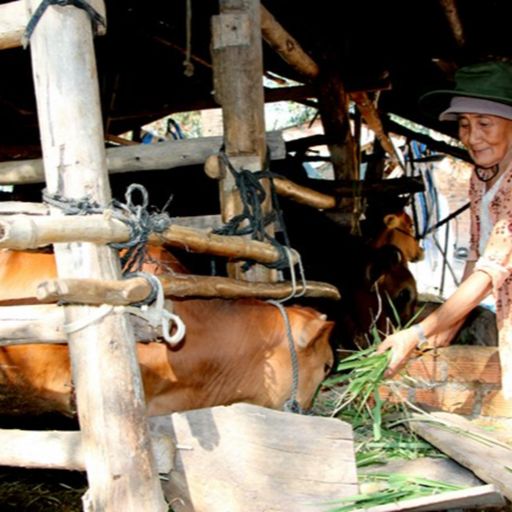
[[399, 231]]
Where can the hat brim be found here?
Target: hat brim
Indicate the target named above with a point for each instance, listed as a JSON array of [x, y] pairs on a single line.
[[433, 103]]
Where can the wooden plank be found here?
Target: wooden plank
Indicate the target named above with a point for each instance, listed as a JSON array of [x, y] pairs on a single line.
[[480, 498], [439, 469], [245, 458], [489, 459], [106, 374], [140, 157]]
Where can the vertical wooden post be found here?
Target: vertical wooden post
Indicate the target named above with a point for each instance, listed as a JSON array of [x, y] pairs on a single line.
[[333, 102], [120, 467], [238, 83]]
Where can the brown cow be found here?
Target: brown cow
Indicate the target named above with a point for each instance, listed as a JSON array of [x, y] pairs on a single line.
[[398, 230], [233, 351]]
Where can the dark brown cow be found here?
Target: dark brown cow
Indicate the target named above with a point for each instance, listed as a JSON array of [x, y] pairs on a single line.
[[233, 351], [368, 278], [398, 230]]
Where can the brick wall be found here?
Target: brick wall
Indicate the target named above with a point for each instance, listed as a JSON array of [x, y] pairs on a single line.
[[459, 379]]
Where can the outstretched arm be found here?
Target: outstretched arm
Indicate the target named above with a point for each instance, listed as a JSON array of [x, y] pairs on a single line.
[[467, 296]]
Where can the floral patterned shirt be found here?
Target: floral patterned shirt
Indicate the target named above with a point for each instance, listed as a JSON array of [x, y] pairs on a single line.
[[496, 261]]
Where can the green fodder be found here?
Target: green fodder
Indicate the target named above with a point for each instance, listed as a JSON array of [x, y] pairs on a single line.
[[396, 487]]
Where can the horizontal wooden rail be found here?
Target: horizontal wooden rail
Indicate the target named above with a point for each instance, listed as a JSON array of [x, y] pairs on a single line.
[[141, 157], [94, 291], [30, 232]]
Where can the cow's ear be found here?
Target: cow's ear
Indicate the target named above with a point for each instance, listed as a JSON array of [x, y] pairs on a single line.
[[310, 328], [391, 221]]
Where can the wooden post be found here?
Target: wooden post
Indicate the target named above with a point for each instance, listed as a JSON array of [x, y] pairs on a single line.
[[238, 70], [120, 467]]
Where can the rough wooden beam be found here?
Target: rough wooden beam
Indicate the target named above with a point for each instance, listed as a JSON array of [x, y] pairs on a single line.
[[140, 157], [452, 15], [287, 46], [13, 20], [436, 145], [292, 53], [372, 119], [91, 291], [106, 374], [30, 232], [283, 186], [237, 58]]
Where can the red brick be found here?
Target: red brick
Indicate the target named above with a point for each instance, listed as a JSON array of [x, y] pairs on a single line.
[[448, 397], [472, 364], [396, 394], [427, 367], [495, 404]]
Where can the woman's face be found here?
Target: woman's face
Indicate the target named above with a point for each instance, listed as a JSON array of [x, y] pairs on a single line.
[[488, 138]]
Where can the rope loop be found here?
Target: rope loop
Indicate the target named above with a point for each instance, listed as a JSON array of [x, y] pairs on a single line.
[[96, 18], [156, 315], [135, 215], [252, 221]]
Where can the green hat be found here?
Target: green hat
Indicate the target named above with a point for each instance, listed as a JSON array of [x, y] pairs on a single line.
[[491, 81]]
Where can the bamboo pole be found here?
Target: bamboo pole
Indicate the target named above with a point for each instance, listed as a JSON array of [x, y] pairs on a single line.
[[137, 289], [237, 58], [121, 469], [22, 232], [140, 157]]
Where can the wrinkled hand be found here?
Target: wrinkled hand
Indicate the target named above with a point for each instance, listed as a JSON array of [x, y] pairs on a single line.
[[402, 345]]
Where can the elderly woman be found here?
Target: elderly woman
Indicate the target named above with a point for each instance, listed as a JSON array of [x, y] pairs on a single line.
[[481, 104]]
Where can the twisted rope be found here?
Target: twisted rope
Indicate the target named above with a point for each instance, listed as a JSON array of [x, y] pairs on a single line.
[[95, 17], [141, 224]]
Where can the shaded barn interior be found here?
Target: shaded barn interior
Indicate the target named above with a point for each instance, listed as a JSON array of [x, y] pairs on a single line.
[[358, 63]]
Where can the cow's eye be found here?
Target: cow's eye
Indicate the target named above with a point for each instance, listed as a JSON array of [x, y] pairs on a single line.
[[327, 368]]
